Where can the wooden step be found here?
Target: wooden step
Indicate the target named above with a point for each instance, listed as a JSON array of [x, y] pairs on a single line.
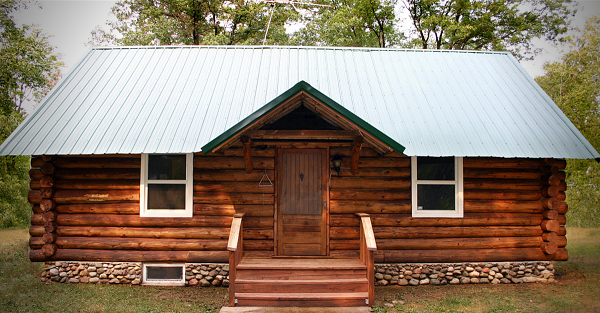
[[302, 264], [303, 286], [302, 299], [298, 274]]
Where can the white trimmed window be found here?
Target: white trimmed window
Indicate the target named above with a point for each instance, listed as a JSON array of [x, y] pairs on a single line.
[[163, 274], [437, 186], [166, 185]]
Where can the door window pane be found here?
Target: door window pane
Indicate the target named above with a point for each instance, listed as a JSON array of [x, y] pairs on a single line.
[[166, 197], [163, 167], [436, 197], [429, 168]]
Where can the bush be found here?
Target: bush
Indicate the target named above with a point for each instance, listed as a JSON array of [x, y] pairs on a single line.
[[583, 193]]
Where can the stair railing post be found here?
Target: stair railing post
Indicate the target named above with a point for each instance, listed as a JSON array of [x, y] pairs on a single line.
[[368, 247], [234, 246]]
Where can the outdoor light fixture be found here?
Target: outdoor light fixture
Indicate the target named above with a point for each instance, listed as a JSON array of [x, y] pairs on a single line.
[[337, 163]]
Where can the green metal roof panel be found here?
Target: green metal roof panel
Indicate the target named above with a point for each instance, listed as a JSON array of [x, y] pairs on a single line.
[[179, 99], [302, 86]]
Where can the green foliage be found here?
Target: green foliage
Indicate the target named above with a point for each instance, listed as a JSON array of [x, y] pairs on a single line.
[[29, 66], [192, 22], [500, 25], [352, 23], [574, 85], [29, 70]]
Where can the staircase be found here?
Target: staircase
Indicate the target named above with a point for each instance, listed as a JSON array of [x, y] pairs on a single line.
[[301, 283]]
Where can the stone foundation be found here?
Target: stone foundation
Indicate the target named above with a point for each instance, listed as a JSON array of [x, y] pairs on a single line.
[[209, 275]]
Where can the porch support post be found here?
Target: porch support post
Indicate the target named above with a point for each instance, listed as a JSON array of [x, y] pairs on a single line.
[[247, 142], [356, 146]]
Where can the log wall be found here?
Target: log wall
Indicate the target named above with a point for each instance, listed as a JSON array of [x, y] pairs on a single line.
[[87, 209]]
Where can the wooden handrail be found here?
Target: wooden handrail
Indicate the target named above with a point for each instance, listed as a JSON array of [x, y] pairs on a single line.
[[234, 246], [368, 246]]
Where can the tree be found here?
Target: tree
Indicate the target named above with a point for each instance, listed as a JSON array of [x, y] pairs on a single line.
[[574, 85], [194, 22], [500, 25], [354, 23], [29, 70]]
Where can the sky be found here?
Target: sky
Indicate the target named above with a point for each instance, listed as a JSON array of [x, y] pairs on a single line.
[[70, 22]]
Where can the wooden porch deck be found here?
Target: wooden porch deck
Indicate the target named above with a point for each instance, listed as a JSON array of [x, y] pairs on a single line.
[[301, 282]]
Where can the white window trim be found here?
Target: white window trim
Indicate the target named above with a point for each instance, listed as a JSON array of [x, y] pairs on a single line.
[[459, 192], [189, 189], [163, 282]]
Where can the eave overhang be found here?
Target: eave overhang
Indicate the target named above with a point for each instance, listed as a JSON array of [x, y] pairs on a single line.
[[304, 93]]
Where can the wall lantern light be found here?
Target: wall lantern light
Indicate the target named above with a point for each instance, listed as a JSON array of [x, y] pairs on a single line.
[[337, 163]]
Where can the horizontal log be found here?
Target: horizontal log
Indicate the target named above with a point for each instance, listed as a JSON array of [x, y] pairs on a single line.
[[36, 209], [138, 221], [473, 194], [350, 182], [47, 205], [554, 179], [100, 208], [459, 243], [49, 216], [562, 231], [237, 151], [95, 162], [258, 245], [49, 249], [47, 181], [377, 172], [95, 195], [550, 225], [37, 219], [102, 184], [230, 210], [50, 226], [550, 236], [550, 214], [232, 163], [563, 207], [48, 158], [496, 163], [561, 241], [502, 206], [347, 152], [49, 237], [370, 207], [464, 255], [438, 232], [371, 194], [95, 173], [234, 187], [501, 173], [36, 162], [47, 169], [549, 247], [378, 162], [232, 175], [36, 242], [142, 232], [561, 255], [550, 169], [561, 196], [560, 163], [46, 192], [551, 203], [232, 198], [141, 256], [35, 184], [553, 191], [562, 219], [510, 184], [37, 230], [35, 173], [34, 196], [471, 219], [143, 244], [36, 255]]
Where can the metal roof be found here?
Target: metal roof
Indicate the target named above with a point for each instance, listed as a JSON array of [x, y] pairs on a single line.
[[178, 99]]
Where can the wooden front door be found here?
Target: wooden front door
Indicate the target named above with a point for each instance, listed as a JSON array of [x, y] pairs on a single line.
[[302, 202]]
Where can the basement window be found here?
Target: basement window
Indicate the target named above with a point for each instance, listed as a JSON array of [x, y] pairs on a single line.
[[163, 274], [166, 185], [437, 186]]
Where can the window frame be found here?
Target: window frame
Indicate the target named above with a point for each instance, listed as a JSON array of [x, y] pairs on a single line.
[[458, 212], [163, 282], [188, 182]]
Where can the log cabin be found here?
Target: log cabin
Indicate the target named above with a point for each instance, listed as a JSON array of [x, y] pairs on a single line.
[[301, 167]]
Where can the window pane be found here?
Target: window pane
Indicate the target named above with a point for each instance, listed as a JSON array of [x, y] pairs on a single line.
[[435, 197], [164, 272], [166, 167], [435, 168], [166, 197]]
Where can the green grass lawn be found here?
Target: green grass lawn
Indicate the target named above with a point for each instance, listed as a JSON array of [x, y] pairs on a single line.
[[577, 288]]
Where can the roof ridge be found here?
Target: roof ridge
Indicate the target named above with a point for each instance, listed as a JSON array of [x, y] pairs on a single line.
[[299, 47]]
